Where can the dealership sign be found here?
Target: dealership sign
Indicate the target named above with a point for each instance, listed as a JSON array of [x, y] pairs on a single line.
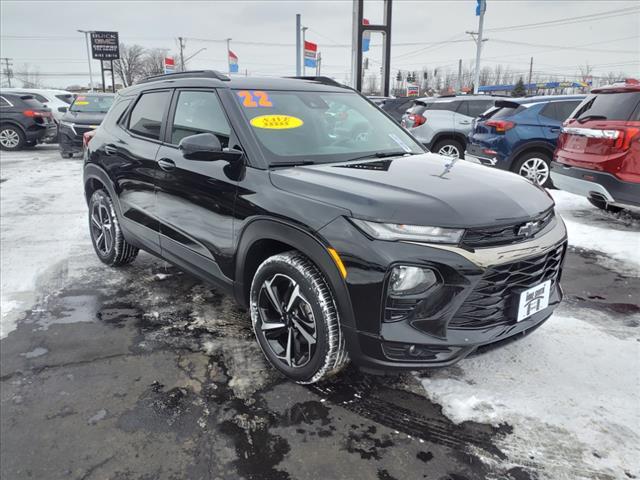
[[412, 90], [105, 46], [169, 65]]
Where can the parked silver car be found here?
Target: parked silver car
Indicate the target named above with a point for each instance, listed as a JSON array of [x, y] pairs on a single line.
[[443, 123]]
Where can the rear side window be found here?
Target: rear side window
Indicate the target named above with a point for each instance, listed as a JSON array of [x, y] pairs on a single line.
[[505, 112], [146, 117], [559, 111], [611, 106], [31, 102], [66, 98], [199, 112], [448, 106], [478, 107], [116, 111], [4, 103]]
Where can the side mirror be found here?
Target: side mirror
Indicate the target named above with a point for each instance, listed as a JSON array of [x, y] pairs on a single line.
[[62, 109], [207, 147]]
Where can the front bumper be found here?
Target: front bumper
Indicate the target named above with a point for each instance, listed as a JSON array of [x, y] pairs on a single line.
[[436, 334], [70, 137], [591, 183]]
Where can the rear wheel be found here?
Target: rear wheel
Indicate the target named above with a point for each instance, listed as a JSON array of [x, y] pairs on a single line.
[[603, 205], [449, 148], [11, 138], [535, 166], [295, 319], [106, 234]]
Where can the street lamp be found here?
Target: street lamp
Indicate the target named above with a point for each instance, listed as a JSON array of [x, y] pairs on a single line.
[[86, 38]]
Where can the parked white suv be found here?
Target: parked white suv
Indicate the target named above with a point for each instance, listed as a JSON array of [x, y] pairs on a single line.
[[443, 123], [53, 99]]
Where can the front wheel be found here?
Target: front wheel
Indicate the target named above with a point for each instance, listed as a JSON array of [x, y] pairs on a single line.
[[295, 319]]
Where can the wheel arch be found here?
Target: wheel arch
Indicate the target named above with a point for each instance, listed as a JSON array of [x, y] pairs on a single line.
[[529, 147], [95, 178], [449, 135], [13, 123], [263, 237]]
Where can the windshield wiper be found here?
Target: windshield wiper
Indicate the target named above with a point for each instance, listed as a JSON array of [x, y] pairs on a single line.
[[591, 117], [382, 155], [291, 164]]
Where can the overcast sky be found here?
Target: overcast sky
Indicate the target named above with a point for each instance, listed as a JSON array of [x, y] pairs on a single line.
[[43, 34]]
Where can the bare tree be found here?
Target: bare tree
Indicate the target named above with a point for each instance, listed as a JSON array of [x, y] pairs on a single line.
[[485, 76], [129, 67], [153, 62], [29, 76]]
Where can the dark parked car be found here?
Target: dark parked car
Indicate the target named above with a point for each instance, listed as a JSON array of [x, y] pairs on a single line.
[[364, 247], [520, 135], [396, 107], [598, 152], [85, 114], [24, 122]]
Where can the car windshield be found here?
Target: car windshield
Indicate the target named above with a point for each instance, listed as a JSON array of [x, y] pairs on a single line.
[[92, 103], [321, 127]]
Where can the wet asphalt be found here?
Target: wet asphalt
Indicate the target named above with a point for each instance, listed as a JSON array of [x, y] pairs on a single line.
[[144, 372]]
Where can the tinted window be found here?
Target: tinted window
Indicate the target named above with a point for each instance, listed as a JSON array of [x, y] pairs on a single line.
[[116, 111], [199, 112], [146, 117], [92, 103], [506, 112], [31, 102], [463, 109], [66, 98], [559, 111], [450, 106], [477, 107], [612, 106], [4, 103]]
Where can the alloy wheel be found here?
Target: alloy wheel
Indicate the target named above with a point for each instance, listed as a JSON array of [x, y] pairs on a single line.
[[102, 227], [9, 138], [449, 151], [536, 170], [286, 321]]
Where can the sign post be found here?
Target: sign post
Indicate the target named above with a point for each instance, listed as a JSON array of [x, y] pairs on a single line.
[[105, 46]]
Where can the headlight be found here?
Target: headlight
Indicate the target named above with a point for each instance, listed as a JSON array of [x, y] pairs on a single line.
[[406, 280], [416, 233]]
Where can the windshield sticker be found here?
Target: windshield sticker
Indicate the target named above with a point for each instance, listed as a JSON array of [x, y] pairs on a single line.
[[82, 102], [255, 98], [402, 145], [276, 122]]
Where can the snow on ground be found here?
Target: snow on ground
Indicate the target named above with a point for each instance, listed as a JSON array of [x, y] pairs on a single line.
[[571, 390], [43, 219], [617, 235]]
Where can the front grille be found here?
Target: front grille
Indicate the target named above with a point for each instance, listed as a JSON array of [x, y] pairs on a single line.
[[81, 130], [496, 294], [505, 234]]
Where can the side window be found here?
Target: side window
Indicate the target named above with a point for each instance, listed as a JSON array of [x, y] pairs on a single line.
[[564, 109], [463, 109], [39, 98], [116, 112], [550, 111], [478, 107], [146, 117], [199, 112]]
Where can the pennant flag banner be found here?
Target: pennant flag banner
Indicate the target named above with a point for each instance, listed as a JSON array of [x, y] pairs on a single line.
[[310, 54], [233, 62], [366, 37]]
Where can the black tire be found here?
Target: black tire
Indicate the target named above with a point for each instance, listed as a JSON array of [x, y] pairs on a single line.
[[11, 138], [603, 205], [314, 312], [531, 160], [450, 145], [66, 155], [111, 248]]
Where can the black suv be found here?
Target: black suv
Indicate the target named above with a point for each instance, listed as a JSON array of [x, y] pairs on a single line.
[[24, 122], [84, 115], [329, 221]]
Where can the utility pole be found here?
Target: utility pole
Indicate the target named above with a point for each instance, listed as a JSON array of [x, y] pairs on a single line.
[[459, 89], [228, 56], [304, 40], [181, 42], [530, 74], [298, 50], [7, 69], [318, 64], [86, 38], [482, 7]]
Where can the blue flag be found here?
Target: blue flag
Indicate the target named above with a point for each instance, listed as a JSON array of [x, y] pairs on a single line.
[[481, 7]]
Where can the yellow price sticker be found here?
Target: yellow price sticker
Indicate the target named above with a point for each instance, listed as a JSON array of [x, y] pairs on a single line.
[[82, 102], [276, 122]]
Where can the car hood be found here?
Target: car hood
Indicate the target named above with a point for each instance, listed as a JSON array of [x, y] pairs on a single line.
[[84, 118], [424, 189]]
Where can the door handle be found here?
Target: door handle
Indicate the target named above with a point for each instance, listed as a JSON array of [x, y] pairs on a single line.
[[464, 122], [166, 164], [555, 129], [110, 150]]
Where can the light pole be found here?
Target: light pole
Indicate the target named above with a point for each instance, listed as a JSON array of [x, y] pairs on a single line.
[[228, 56], [304, 63], [298, 49], [86, 38]]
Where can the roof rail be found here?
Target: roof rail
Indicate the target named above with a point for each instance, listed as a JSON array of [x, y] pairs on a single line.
[[188, 74], [324, 80]]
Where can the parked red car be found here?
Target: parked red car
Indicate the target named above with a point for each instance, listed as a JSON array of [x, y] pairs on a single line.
[[598, 151]]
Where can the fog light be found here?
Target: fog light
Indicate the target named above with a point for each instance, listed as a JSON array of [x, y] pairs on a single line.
[[407, 280]]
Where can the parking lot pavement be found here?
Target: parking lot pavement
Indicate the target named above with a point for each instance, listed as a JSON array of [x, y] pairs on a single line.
[[144, 372]]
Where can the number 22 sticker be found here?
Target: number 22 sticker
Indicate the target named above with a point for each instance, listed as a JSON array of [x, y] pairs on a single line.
[[255, 98]]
